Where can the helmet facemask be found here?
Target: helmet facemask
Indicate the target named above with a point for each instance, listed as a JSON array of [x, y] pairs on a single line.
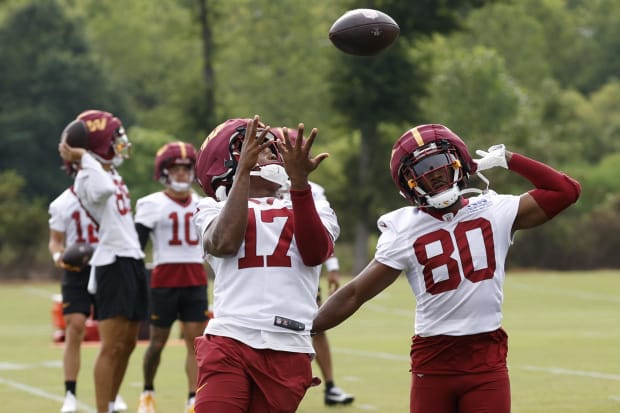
[[433, 175], [177, 186], [119, 146], [272, 171]]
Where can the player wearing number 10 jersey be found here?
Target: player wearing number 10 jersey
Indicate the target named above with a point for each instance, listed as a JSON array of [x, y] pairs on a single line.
[[453, 250], [178, 282], [266, 253]]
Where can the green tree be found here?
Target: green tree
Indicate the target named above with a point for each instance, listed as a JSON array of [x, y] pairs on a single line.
[[369, 92], [23, 228], [47, 77], [152, 52]]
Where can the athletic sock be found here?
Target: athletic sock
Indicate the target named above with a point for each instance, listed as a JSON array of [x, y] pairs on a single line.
[[70, 386]]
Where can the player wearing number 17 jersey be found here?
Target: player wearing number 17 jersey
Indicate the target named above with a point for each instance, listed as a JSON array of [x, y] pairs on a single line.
[[266, 253], [453, 250]]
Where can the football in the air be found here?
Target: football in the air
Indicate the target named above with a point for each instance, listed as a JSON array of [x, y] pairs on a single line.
[[76, 256], [364, 32], [75, 134]]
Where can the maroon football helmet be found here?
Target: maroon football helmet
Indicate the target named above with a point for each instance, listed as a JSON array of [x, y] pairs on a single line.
[[101, 133], [218, 156], [430, 165], [174, 153]]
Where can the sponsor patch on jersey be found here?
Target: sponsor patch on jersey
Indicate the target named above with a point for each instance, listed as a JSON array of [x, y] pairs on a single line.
[[288, 323], [481, 203]]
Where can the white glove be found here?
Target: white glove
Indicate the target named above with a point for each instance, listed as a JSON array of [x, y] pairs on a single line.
[[495, 156]]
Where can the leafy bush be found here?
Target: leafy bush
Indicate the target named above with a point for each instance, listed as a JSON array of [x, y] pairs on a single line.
[[23, 230]]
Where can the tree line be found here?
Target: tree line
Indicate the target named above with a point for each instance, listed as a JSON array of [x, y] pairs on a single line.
[[539, 76]]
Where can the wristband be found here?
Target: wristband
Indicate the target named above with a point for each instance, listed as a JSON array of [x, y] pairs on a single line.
[[332, 264], [56, 256]]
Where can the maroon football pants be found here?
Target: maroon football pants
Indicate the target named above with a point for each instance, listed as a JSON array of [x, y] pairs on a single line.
[[236, 378], [465, 393]]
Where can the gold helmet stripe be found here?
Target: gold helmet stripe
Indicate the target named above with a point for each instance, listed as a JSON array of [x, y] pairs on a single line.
[[417, 136], [183, 150]]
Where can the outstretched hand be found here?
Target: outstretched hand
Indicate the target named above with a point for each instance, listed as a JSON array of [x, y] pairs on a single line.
[[253, 145], [297, 159]]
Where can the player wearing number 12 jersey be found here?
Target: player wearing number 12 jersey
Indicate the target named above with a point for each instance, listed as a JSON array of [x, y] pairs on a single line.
[[453, 250], [266, 253], [178, 282]]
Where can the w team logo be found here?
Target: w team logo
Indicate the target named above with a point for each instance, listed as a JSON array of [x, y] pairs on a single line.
[[95, 125]]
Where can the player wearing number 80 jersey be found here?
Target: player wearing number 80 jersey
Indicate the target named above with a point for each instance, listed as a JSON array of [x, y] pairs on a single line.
[[453, 250]]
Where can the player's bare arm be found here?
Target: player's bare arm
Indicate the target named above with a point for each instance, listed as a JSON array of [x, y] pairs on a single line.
[[56, 246], [373, 279]]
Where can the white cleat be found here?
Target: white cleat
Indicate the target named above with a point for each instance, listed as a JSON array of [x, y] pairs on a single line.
[[70, 403], [119, 404], [336, 395], [189, 405]]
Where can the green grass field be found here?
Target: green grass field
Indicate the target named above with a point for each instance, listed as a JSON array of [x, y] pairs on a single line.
[[564, 352]]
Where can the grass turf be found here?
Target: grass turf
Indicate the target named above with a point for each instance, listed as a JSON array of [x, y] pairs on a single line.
[[564, 346]]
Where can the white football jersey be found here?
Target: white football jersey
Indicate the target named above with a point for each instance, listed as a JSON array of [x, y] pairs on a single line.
[[106, 198], [173, 232], [265, 292], [455, 265], [68, 216], [318, 192]]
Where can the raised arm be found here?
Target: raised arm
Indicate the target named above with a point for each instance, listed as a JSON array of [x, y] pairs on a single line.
[[554, 191]]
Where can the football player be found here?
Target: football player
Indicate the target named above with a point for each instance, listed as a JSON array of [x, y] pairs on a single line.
[[178, 282], [452, 250], [266, 253], [70, 224], [117, 277]]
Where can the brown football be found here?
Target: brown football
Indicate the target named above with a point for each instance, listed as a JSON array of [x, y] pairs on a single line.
[[76, 256], [364, 32], [75, 134]]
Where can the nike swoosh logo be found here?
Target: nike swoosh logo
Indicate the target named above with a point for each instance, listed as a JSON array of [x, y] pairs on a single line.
[[200, 388]]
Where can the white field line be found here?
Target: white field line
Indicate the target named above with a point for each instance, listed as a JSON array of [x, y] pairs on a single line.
[[40, 393], [40, 292], [582, 373], [361, 353]]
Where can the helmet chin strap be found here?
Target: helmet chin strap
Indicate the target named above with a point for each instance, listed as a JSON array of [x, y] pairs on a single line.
[[176, 185], [272, 173], [180, 186], [450, 196], [444, 199], [221, 193], [117, 161]]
